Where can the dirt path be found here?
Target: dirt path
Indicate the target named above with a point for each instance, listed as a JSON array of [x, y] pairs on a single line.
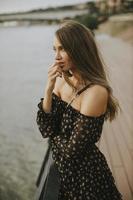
[[117, 140]]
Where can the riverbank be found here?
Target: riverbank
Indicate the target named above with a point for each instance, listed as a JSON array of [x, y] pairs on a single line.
[[120, 26]]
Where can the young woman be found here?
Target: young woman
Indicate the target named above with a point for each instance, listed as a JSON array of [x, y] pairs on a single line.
[[77, 100]]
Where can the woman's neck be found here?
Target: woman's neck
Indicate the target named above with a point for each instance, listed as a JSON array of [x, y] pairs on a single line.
[[77, 81]]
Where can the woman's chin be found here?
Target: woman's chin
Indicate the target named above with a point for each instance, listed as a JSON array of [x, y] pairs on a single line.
[[65, 69]]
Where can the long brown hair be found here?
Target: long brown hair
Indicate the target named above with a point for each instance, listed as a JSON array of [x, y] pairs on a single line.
[[80, 45]]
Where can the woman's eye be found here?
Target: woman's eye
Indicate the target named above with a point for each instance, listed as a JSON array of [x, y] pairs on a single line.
[[63, 49], [60, 50]]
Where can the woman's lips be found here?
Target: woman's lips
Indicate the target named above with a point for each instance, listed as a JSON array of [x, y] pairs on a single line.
[[62, 64]]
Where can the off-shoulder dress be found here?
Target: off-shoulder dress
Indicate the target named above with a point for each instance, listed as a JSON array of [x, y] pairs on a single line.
[[83, 169]]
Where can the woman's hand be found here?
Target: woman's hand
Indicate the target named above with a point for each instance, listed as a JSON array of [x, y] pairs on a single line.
[[54, 71]]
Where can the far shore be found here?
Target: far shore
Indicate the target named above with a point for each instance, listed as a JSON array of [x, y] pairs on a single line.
[[49, 15]]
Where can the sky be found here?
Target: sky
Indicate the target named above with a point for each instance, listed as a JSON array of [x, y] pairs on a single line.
[[23, 5]]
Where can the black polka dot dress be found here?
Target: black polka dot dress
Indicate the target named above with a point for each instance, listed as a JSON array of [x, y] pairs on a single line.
[[83, 169]]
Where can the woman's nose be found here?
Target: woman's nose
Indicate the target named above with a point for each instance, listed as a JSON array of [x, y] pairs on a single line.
[[58, 56]]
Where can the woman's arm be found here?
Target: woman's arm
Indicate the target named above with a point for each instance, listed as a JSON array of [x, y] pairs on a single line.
[[48, 113], [47, 101]]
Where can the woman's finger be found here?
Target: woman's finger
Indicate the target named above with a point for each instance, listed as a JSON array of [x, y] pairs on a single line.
[[56, 75], [56, 68]]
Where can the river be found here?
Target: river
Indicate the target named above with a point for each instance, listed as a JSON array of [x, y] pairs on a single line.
[[26, 54]]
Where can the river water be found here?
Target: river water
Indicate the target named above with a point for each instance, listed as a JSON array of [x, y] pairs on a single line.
[[26, 53]]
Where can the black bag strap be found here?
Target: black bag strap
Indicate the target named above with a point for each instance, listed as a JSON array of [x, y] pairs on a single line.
[[79, 92], [83, 89]]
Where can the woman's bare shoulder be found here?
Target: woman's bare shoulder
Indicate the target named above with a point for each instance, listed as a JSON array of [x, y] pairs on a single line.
[[58, 85], [94, 101]]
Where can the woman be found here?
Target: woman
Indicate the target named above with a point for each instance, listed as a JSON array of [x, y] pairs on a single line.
[[76, 102]]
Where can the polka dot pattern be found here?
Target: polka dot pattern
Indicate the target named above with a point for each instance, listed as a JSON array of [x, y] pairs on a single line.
[[83, 169]]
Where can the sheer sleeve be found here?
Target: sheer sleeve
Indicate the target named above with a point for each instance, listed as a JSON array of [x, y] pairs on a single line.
[[87, 131], [48, 123]]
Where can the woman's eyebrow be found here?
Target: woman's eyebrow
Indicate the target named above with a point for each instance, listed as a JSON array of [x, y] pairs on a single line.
[[60, 47]]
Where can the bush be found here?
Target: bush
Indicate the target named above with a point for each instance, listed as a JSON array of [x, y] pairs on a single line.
[[91, 21]]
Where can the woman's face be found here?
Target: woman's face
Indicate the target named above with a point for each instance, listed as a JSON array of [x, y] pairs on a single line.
[[61, 56]]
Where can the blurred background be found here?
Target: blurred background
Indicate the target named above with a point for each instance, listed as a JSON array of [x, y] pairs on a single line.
[[26, 42]]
